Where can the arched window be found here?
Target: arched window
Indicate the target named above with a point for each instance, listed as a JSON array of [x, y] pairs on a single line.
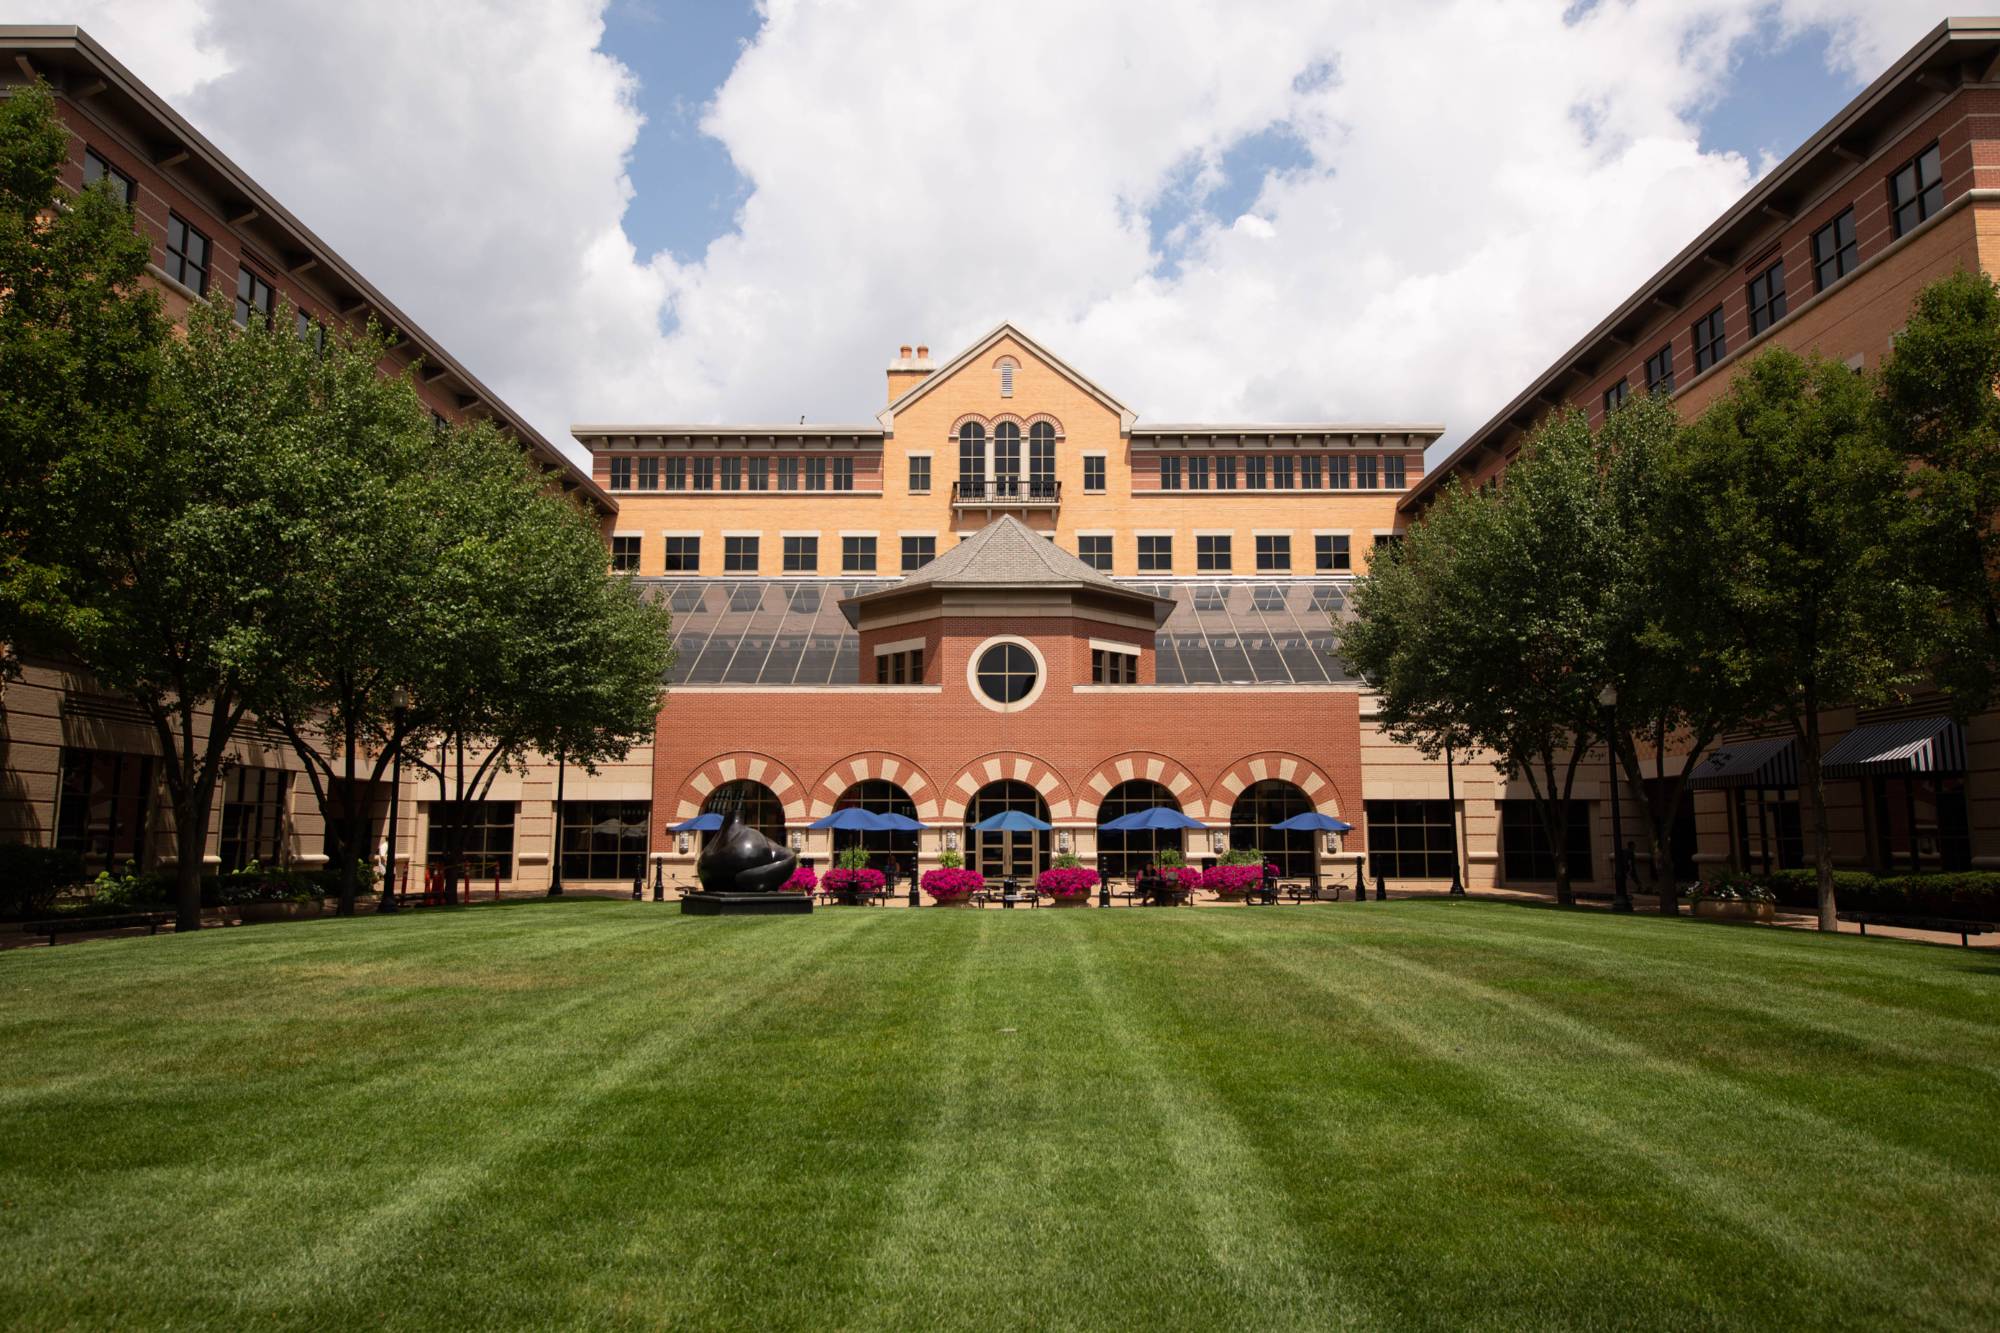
[[1261, 805], [1042, 460], [972, 460], [1001, 855], [1122, 855], [758, 805], [1007, 459], [880, 797]]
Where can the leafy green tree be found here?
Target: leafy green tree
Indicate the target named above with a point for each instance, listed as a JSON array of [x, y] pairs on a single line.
[[1940, 411], [188, 606], [354, 605], [80, 343], [1812, 515], [1671, 648], [1490, 625], [529, 645]]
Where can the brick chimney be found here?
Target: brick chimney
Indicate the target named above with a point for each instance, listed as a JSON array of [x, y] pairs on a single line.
[[907, 371]]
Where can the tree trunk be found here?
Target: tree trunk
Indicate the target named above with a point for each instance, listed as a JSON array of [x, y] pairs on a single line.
[[190, 842], [1815, 788], [353, 820]]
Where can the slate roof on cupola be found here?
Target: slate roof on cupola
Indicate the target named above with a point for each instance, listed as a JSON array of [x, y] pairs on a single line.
[[1006, 553]]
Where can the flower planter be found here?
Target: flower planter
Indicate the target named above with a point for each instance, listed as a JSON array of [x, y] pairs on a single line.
[[1071, 900], [951, 900], [1722, 909], [251, 914]]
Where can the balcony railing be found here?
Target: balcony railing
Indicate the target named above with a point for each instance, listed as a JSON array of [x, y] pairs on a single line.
[[1006, 493]]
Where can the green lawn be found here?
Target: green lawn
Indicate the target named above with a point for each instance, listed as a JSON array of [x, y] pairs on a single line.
[[1417, 1114]]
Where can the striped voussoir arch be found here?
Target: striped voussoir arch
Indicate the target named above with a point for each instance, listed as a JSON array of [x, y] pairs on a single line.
[[1301, 773], [738, 767], [1008, 767], [1141, 766], [871, 765]]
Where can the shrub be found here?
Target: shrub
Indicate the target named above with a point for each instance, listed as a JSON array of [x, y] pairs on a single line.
[[950, 860], [1800, 888], [1066, 861], [803, 880], [852, 879], [1242, 856], [1067, 882], [1169, 858], [1726, 885], [851, 858], [1972, 895], [31, 877], [1232, 879], [949, 882]]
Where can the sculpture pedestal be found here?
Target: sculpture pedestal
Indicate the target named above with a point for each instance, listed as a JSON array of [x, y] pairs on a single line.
[[746, 904]]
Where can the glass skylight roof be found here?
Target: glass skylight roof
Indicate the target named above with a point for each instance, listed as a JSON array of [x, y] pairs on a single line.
[[791, 631]]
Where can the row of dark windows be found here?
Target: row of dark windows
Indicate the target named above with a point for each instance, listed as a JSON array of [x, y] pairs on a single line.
[[742, 554], [1214, 552], [903, 667], [1916, 191], [1414, 840], [188, 256], [104, 805], [791, 473], [1283, 472], [1109, 666]]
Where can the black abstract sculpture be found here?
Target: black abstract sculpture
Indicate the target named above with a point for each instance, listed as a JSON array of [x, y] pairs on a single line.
[[739, 859], [742, 871]]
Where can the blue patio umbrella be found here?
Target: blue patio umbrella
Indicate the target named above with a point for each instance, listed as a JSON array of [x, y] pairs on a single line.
[[707, 823], [1153, 817], [895, 823], [1012, 821], [1312, 821], [852, 817]]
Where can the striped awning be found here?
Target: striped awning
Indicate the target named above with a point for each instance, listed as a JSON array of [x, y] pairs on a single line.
[[1766, 763], [1914, 745]]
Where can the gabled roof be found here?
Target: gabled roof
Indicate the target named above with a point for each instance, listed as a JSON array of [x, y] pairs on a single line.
[[1006, 553], [887, 416]]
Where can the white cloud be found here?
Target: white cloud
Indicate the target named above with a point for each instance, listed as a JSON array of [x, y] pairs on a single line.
[[1484, 181]]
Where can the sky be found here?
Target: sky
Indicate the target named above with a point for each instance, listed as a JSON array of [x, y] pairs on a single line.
[[1227, 210]]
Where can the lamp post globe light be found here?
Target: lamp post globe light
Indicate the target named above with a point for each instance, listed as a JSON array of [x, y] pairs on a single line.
[[399, 707], [1621, 896]]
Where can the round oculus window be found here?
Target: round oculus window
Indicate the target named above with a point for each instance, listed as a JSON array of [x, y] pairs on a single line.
[[1007, 673]]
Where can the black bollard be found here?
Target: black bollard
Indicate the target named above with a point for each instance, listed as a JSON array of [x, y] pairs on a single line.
[[659, 881], [1381, 884], [638, 887]]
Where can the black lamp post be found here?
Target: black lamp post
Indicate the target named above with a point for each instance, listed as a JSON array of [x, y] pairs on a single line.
[[1451, 813], [1621, 895], [399, 703], [555, 861]]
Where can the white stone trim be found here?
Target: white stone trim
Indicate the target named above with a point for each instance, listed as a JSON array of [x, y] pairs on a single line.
[[994, 705], [899, 646], [783, 535], [682, 532], [741, 532], [1114, 646]]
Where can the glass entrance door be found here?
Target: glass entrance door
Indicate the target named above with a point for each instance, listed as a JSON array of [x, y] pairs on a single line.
[[1000, 855], [1010, 856]]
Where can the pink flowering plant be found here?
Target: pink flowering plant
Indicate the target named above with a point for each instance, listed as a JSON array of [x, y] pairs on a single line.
[[951, 883], [803, 880], [1068, 882], [1232, 881], [846, 879], [1185, 876]]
